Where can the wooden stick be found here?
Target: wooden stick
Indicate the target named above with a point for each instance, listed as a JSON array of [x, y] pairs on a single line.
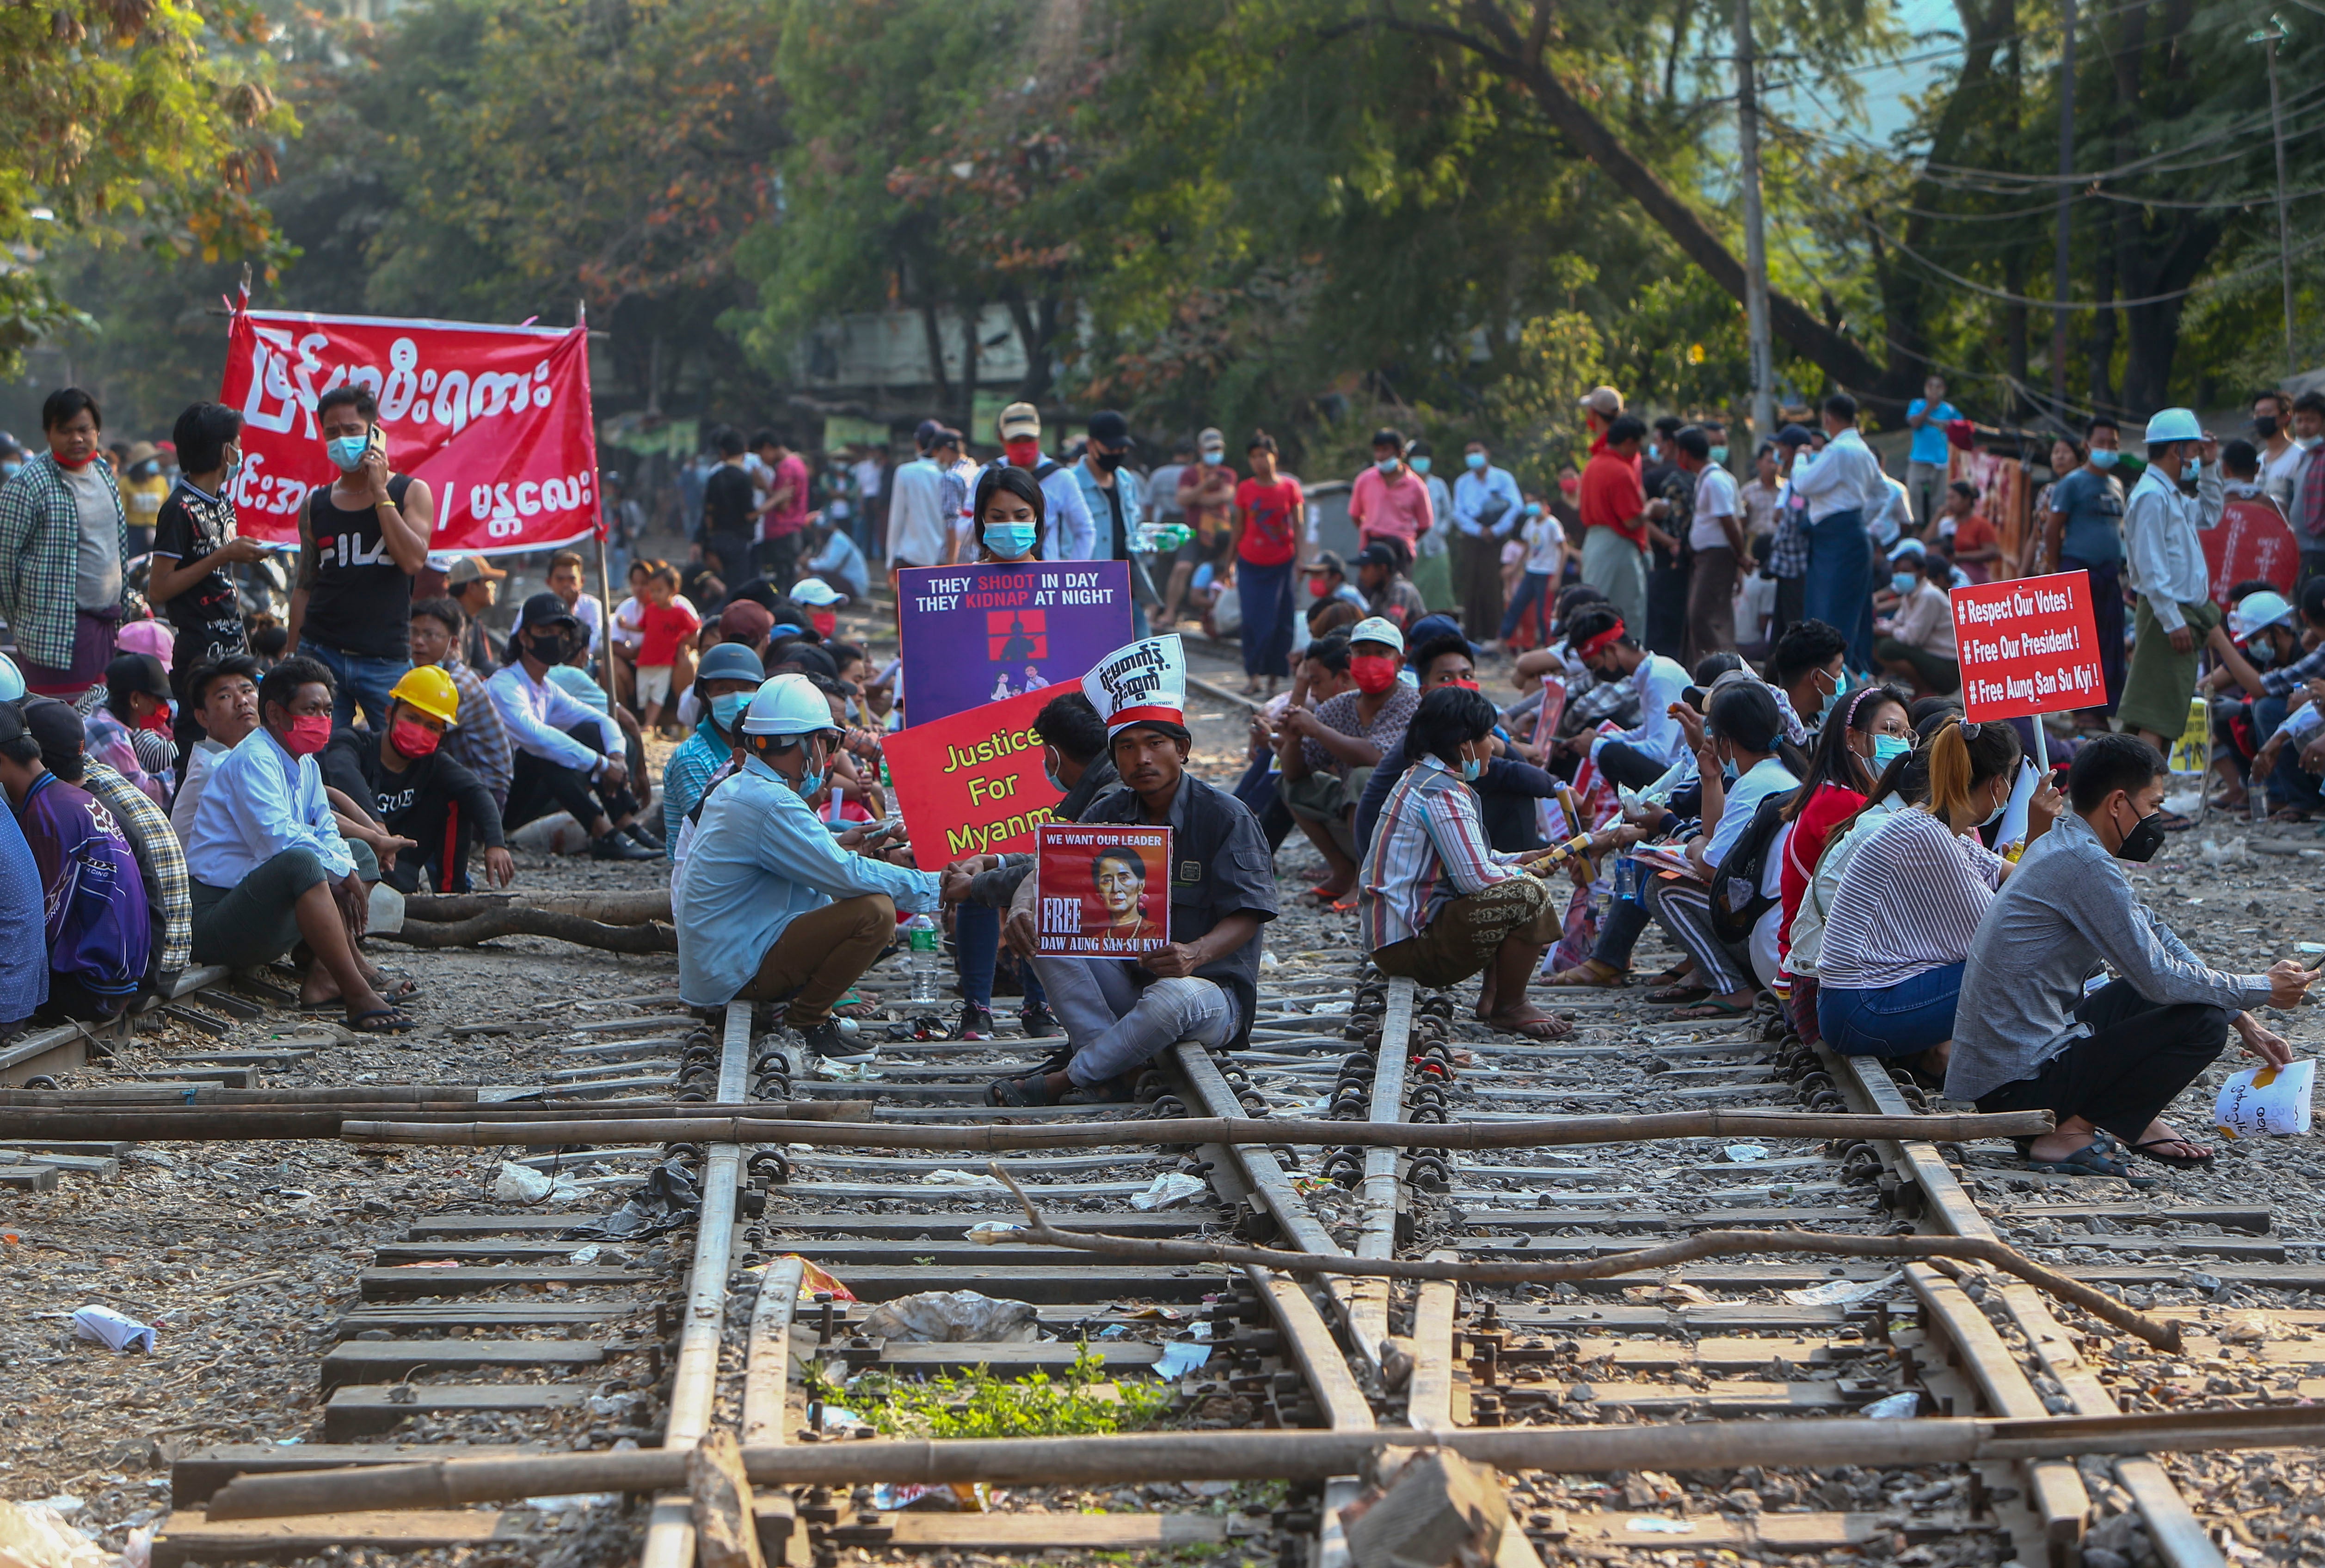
[[1293, 1456], [611, 908], [237, 1123], [997, 1137], [2165, 1336], [577, 929]]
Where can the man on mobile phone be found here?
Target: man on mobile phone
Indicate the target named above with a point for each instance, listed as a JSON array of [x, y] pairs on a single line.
[[196, 547]]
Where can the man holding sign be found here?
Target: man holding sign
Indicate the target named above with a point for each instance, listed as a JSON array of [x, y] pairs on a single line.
[[1203, 984]]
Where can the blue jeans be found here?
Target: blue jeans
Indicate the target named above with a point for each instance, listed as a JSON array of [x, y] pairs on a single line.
[[1840, 585], [358, 678], [1265, 593], [1534, 594], [2291, 784], [976, 947], [1903, 1019]]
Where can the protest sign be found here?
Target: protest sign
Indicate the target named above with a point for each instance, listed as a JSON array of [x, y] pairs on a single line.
[[1091, 887], [973, 783], [496, 420], [2251, 541], [979, 634], [2028, 646]]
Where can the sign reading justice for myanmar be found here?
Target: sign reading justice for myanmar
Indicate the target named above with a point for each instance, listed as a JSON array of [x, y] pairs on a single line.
[[974, 782], [2028, 646], [979, 634]]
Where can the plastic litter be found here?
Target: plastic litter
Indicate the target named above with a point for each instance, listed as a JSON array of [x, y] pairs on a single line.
[[666, 1200], [951, 1317], [386, 909], [521, 1184], [962, 1178], [1743, 1153], [1172, 1187], [1661, 1525], [36, 1536], [111, 1328], [1180, 1358], [989, 1231], [1841, 1292], [832, 1070], [2266, 1102], [581, 1256], [1895, 1407], [956, 1497]]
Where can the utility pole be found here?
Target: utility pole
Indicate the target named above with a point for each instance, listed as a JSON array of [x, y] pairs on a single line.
[[2059, 280], [2271, 36], [1756, 240]]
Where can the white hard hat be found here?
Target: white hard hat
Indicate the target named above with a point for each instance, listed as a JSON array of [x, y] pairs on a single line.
[[787, 704], [2175, 425], [12, 680], [2258, 611]]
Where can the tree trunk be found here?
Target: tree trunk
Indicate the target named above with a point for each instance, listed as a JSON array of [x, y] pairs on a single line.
[[933, 333], [516, 922], [612, 909], [969, 328]]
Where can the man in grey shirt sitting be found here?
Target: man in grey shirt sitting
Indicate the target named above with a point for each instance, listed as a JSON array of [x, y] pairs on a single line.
[[2026, 1037]]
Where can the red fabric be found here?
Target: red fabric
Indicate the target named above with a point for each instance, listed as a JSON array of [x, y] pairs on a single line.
[[1613, 497], [1268, 537], [660, 627], [1831, 806]]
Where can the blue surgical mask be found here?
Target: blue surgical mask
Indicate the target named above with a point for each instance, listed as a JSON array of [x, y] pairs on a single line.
[[1719, 455], [1832, 701], [11, 469], [728, 707], [1475, 460], [811, 780], [1472, 770], [1050, 774], [1727, 772], [1009, 541], [2104, 457], [1902, 582], [1420, 464], [1888, 748], [347, 451], [1211, 459], [1534, 509], [1385, 464]]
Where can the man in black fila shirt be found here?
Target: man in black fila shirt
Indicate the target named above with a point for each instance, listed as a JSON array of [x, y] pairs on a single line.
[[195, 543]]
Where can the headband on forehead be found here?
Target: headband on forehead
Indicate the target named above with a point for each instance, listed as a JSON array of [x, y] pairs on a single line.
[[1849, 722], [1610, 636]]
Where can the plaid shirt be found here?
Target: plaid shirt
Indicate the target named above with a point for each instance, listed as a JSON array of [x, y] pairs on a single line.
[[481, 741], [686, 777], [2285, 682], [1429, 849], [168, 889], [1788, 551], [39, 557]]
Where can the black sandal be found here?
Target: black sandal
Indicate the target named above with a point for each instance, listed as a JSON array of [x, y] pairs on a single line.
[[1019, 1091], [2176, 1161], [2097, 1157], [379, 1020]]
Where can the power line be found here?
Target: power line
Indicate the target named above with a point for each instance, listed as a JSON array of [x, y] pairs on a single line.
[[2010, 299]]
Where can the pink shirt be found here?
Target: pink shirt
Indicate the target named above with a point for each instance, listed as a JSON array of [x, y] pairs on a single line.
[[1394, 508], [791, 516]]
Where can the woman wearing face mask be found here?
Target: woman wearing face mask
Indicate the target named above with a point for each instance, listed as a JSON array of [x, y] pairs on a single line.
[[1899, 930], [1916, 641], [1327, 754], [1008, 509]]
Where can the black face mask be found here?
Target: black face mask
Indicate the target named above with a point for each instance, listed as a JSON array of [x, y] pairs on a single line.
[[2264, 425], [1110, 461], [2142, 842], [551, 646]]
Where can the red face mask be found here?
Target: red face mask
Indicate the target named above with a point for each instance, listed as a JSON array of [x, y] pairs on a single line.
[[1024, 453], [158, 721], [1315, 588], [1570, 487], [70, 463], [825, 621], [308, 735], [1374, 673], [413, 739], [1464, 685]]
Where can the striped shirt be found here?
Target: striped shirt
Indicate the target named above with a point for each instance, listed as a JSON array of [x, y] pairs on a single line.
[[1910, 902], [1430, 849]]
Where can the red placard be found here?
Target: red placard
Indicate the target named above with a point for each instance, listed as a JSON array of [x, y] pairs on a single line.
[[494, 418], [973, 783], [1103, 890], [2028, 646], [2252, 540]]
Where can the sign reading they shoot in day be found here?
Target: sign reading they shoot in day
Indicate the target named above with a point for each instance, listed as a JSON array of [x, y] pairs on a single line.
[[979, 634], [2028, 646], [973, 782]]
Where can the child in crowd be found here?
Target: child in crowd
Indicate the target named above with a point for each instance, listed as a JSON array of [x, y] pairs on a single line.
[[666, 629]]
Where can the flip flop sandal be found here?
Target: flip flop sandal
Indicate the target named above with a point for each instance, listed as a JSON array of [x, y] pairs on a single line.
[[1019, 1091], [1715, 1008], [1672, 995], [1588, 973], [1547, 1026], [379, 1020], [2176, 1161], [2172, 822], [2095, 1157], [1119, 1090]]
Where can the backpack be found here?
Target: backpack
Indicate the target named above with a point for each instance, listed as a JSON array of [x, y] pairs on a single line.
[[1736, 901]]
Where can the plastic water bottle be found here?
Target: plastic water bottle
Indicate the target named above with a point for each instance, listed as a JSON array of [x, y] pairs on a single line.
[[921, 938]]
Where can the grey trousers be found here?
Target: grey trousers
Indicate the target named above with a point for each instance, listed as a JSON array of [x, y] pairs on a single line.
[[1113, 1026]]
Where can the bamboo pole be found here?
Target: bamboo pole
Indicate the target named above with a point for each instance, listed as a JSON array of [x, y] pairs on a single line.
[[996, 1137], [231, 1123], [1294, 1455]]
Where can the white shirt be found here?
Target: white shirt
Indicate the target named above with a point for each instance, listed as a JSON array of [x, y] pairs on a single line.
[[867, 479], [538, 713], [2276, 473], [1545, 536], [1845, 476], [1889, 525], [590, 611], [258, 801], [2161, 554], [199, 763], [1715, 498], [918, 527], [1660, 682]]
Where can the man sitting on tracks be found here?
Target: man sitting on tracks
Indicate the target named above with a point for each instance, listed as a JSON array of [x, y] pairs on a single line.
[[1435, 900], [410, 780], [769, 904], [99, 930], [2026, 1036], [1120, 1013], [269, 865]]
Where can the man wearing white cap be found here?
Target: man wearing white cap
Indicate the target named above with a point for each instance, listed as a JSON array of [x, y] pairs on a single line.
[[1118, 1013], [1328, 754], [768, 906], [1068, 534], [2166, 562]]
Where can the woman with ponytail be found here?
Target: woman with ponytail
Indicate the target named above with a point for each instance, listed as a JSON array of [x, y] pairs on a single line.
[[1899, 929]]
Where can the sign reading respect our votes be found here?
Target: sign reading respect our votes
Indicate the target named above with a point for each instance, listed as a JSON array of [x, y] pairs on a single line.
[[979, 634], [974, 783], [2028, 646]]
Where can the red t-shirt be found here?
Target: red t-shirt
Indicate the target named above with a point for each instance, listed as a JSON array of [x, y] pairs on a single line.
[[1832, 805], [660, 626], [1973, 532], [1269, 537], [1612, 497]]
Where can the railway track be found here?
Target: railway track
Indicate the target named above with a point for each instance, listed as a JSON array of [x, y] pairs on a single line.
[[494, 1333]]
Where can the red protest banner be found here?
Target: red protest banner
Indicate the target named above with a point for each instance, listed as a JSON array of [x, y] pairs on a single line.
[[496, 419], [1103, 890], [973, 783], [2028, 646], [2250, 541]]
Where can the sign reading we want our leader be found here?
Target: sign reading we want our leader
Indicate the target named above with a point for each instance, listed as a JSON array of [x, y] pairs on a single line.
[[2028, 646]]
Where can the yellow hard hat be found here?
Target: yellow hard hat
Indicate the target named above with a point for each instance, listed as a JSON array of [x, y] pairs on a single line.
[[427, 688]]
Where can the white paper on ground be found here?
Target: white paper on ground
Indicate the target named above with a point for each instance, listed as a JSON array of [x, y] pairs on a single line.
[[1175, 1187], [1180, 1358], [1841, 1292], [112, 1329]]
